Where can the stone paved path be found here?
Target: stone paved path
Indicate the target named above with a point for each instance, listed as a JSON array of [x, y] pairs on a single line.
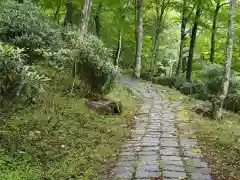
[[156, 148]]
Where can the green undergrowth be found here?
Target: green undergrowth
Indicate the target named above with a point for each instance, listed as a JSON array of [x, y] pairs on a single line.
[[219, 140], [61, 138]]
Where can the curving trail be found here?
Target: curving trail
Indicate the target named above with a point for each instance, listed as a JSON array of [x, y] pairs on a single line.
[[156, 149]]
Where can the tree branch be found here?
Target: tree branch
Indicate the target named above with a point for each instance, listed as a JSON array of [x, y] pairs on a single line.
[[191, 10], [170, 24], [224, 4]]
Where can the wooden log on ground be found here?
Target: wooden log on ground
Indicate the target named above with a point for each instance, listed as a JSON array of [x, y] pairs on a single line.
[[106, 106]]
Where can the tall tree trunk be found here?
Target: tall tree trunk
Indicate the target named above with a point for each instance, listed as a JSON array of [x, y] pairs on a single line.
[[184, 64], [220, 97], [214, 30], [120, 35], [157, 33], [181, 64], [156, 44], [183, 29], [161, 7], [86, 16], [84, 27], [56, 15], [68, 17], [139, 37], [119, 49], [97, 20], [185, 51], [192, 44]]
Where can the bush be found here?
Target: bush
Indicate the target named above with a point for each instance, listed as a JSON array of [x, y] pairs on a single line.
[[179, 81], [25, 26], [232, 102], [144, 75], [164, 80], [18, 81], [60, 60], [198, 87], [213, 76], [199, 91], [187, 88], [95, 64], [159, 70]]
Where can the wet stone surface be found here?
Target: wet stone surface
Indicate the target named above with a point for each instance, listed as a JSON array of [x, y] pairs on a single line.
[[156, 149], [169, 142], [174, 174]]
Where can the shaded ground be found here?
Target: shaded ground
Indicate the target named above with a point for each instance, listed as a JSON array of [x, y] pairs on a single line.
[[62, 138], [160, 146]]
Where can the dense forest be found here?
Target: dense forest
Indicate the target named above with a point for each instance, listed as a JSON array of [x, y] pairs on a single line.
[[56, 53]]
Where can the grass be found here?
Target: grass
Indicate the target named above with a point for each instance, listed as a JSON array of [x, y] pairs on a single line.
[[61, 138], [219, 140]]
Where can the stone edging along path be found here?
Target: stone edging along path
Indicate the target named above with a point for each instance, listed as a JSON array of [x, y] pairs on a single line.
[[156, 149]]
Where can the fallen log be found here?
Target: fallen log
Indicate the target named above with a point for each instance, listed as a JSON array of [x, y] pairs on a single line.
[[106, 106]]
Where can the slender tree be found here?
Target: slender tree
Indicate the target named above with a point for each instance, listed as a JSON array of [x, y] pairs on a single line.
[[217, 103], [123, 12], [97, 19], [184, 21], [56, 15], [84, 27], [214, 30], [192, 43], [119, 48], [161, 7], [69, 11], [139, 38], [86, 16]]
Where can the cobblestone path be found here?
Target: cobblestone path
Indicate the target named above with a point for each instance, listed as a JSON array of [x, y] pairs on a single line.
[[156, 149]]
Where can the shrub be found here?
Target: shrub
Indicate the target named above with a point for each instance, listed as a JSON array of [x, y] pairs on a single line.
[[187, 88], [60, 60], [144, 74], [198, 87], [232, 102], [159, 70], [234, 85], [200, 91], [179, 81], [24, 25], [164, 80], [212, 76], [18, 81], [28, 28], [95, 64]]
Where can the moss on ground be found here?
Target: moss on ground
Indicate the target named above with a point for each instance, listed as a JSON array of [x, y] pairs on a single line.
[[61, 138]]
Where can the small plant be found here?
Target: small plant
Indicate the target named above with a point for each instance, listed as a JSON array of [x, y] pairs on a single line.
[[31, 84]]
